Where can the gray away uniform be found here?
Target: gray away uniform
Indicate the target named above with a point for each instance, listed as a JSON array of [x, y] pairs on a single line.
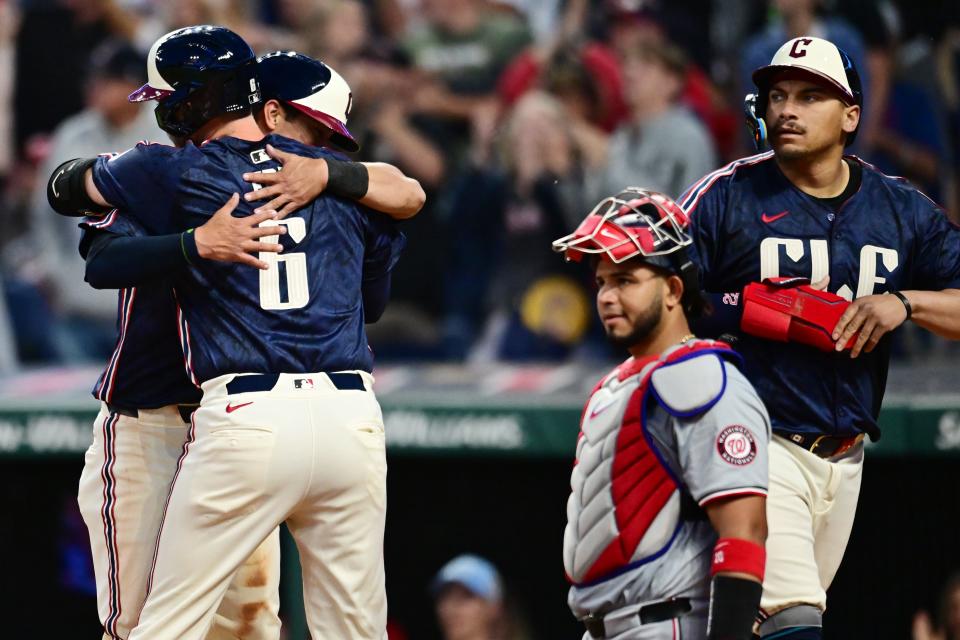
[[660, 438]]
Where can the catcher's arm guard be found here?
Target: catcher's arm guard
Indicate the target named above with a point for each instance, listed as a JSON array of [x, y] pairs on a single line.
[[789, 310]]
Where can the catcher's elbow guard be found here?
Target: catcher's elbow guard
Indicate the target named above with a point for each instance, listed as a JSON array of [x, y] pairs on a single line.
[[67, 191], [783, 310]]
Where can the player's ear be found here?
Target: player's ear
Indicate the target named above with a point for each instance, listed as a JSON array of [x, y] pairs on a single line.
[[273, 114], [851, 118], [673, 291]]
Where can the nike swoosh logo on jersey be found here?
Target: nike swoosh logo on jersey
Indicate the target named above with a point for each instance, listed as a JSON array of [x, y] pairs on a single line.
[[768, 219], [599, 410], [233, 407]]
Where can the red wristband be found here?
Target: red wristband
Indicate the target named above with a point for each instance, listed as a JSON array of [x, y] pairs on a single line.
[[738, 556]]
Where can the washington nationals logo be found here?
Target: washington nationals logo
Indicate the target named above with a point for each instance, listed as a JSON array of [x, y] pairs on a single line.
[[796, 51], [736, 445]]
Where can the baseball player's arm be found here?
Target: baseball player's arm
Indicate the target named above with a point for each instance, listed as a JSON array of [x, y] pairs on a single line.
[[375, 293], [931, 295], [875, 316], [71, 191], [377, 185], [114, 261], [738, 564], [383, 244]]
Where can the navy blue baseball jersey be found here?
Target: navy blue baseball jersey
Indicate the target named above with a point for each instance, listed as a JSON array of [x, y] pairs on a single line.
[[749, 223], [305, 312], [145, 370]]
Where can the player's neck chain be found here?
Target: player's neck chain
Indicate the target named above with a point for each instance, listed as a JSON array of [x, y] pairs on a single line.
[[687, 338]]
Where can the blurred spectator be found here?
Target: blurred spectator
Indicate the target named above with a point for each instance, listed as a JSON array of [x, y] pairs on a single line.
[[108, 124], [426, 126], [461, 50], [8, 346], [663, 147], [948, 77], [501, 271], [911, 139], [879, 24], [587, 78], [9, 23], [237, 15], [470, 602], [947, 625], [54, 44], [794, 18], [636, 25]]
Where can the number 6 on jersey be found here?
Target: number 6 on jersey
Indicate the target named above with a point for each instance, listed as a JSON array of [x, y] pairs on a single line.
[[298, 292]]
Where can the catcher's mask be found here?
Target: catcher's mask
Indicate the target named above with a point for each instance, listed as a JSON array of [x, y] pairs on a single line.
[[638, 223]]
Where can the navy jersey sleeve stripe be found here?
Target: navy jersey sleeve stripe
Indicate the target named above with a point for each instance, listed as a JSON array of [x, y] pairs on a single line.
[[100, 222], [104, 390], [183, 328], [688, 201]]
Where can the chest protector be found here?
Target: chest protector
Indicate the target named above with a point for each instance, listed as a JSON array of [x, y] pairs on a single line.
[[624, 507]]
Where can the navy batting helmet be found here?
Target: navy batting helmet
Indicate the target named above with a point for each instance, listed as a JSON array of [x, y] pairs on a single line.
[[310, 87], [196, 74], [821, 61]]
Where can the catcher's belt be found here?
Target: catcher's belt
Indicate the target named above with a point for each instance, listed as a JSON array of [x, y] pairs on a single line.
[[615, 622]]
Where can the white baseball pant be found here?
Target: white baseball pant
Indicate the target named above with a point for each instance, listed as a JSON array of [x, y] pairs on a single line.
[[123, 489], [810, 508], [304, 451]]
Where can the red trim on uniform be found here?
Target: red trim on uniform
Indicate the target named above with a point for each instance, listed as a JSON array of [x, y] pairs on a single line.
[[109, 518], [191, 435], [105, 392], [104, 221], [183, 330], [738, 556], [633, 366], [734, 493], [706, 182]]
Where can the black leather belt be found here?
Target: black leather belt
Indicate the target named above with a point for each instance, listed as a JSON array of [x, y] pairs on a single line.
[[823, 446], [267, 381], [648, 613], [184, 409]]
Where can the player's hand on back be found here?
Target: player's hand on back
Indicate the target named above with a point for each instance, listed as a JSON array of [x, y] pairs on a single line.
[[873, 316], [301, 180], [229, 239]]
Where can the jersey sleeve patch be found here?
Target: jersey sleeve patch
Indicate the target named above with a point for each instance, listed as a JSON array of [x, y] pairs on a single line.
[[691, 386], [736, 445]]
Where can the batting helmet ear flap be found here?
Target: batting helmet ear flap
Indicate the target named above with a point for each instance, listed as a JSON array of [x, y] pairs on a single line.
[[754, 110]]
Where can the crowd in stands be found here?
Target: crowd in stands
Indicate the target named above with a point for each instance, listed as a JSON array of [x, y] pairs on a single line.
[[516, 116]]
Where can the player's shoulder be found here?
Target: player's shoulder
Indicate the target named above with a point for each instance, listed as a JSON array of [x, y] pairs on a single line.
[[693, 377], [145, 151], [716, 183], [900, 191], [300, 148]]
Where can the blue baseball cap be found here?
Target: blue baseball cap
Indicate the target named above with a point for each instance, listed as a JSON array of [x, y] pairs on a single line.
[[474, 573]]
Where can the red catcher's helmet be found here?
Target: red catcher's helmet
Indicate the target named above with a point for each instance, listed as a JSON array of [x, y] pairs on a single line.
[[638, 223], [635, 222]]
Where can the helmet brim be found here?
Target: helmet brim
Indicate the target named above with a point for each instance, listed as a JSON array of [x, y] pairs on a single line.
[[341, 137], [764, 77], [146, 92]]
